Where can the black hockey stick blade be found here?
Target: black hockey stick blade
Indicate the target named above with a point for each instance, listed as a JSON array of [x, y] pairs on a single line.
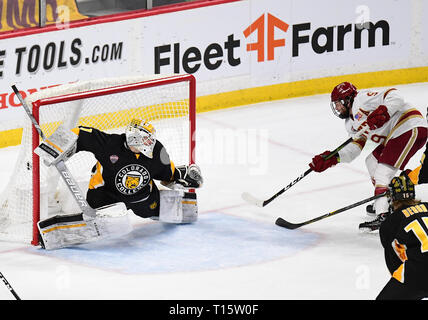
[[288, 225]]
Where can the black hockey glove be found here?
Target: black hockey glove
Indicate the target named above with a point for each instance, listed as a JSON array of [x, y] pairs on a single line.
[[188, 176]]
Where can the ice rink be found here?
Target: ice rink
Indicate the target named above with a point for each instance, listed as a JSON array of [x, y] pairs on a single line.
[[234, 251]]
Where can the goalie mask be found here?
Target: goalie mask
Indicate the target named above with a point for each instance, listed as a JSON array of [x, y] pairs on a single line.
[[141, 136]]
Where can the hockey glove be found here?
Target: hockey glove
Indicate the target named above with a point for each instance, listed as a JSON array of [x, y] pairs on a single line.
[[319, 163], [61, 145], [188, 176], [378, 117]]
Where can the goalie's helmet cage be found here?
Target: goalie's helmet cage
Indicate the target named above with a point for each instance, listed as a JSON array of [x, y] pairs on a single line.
[[142, 136], [35, 191]]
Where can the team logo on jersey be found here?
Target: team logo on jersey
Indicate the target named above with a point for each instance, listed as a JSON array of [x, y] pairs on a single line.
[[114, 158], [132, 178], [132, 181]]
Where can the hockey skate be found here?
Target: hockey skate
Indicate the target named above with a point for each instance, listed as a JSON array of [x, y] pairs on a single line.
[[373, 225]]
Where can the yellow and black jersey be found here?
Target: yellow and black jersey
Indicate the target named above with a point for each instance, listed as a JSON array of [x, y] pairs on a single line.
[[404, 236], [122, 175], [419, 175]]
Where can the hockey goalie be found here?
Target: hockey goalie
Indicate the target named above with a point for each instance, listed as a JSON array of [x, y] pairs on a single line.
[[122, 181]]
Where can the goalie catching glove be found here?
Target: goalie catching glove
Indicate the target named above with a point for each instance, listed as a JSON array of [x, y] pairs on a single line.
[[188, 176], [61, 145]]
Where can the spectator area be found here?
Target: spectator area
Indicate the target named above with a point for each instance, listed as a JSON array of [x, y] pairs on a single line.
[[20, 14]]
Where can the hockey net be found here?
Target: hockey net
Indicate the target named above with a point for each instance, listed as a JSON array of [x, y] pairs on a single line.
[[36, 192]]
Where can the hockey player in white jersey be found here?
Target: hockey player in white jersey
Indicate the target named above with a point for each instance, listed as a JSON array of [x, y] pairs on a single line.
[[397, 127]]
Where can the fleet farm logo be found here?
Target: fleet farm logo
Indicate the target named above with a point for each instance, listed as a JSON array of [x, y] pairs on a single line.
[[321, 40], [271, 43], [265, 36]]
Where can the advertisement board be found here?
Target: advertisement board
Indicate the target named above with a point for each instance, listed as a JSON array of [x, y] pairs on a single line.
[[422, 14], [227, 45]]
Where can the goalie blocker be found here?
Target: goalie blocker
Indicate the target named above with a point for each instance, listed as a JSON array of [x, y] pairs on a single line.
[[61, 145]]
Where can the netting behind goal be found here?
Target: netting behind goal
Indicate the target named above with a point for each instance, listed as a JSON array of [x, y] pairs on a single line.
[[36, 192]]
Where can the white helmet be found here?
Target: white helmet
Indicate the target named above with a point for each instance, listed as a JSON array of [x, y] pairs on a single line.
[[141, 136]]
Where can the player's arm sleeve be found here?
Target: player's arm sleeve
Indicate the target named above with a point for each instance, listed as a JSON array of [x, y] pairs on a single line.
[[393, 101], [352, 150], [165, 168], [419, 175], [90, 139]]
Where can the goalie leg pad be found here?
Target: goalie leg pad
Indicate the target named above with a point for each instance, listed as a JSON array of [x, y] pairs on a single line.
[[67, 230], [177, 206]]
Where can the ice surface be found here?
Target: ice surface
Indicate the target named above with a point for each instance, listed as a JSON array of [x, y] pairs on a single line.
[[234, 251]]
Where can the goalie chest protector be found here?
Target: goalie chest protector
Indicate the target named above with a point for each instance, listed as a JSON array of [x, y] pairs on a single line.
[[126, 175]]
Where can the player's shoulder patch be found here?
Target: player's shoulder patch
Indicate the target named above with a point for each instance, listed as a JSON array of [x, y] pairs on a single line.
[[358, 116]]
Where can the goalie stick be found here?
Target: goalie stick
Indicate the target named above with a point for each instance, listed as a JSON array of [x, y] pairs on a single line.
[[288, 225], [261, 203], [60, 165], [2, 277]]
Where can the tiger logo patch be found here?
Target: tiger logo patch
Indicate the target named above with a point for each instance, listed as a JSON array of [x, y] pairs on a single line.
[[132, 181], [132, 178]]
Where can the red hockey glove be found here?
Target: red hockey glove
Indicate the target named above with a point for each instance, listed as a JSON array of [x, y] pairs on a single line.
[[319, 163], [378, 117]]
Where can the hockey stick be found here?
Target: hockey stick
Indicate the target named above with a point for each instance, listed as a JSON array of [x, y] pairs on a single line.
[[261, 203], [60, 165], [288, 225], [2, 277]]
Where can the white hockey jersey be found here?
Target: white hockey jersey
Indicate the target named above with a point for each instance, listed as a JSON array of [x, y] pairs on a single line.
[[403, 117]]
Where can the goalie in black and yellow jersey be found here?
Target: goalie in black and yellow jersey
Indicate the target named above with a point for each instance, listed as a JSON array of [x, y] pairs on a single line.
[[127, 165]]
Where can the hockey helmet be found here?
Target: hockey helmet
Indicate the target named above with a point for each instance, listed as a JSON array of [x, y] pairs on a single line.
[[402, 188], [342, 98], [142, 136]]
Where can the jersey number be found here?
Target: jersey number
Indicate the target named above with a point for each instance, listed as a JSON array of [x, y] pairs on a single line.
[[420, 232]]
